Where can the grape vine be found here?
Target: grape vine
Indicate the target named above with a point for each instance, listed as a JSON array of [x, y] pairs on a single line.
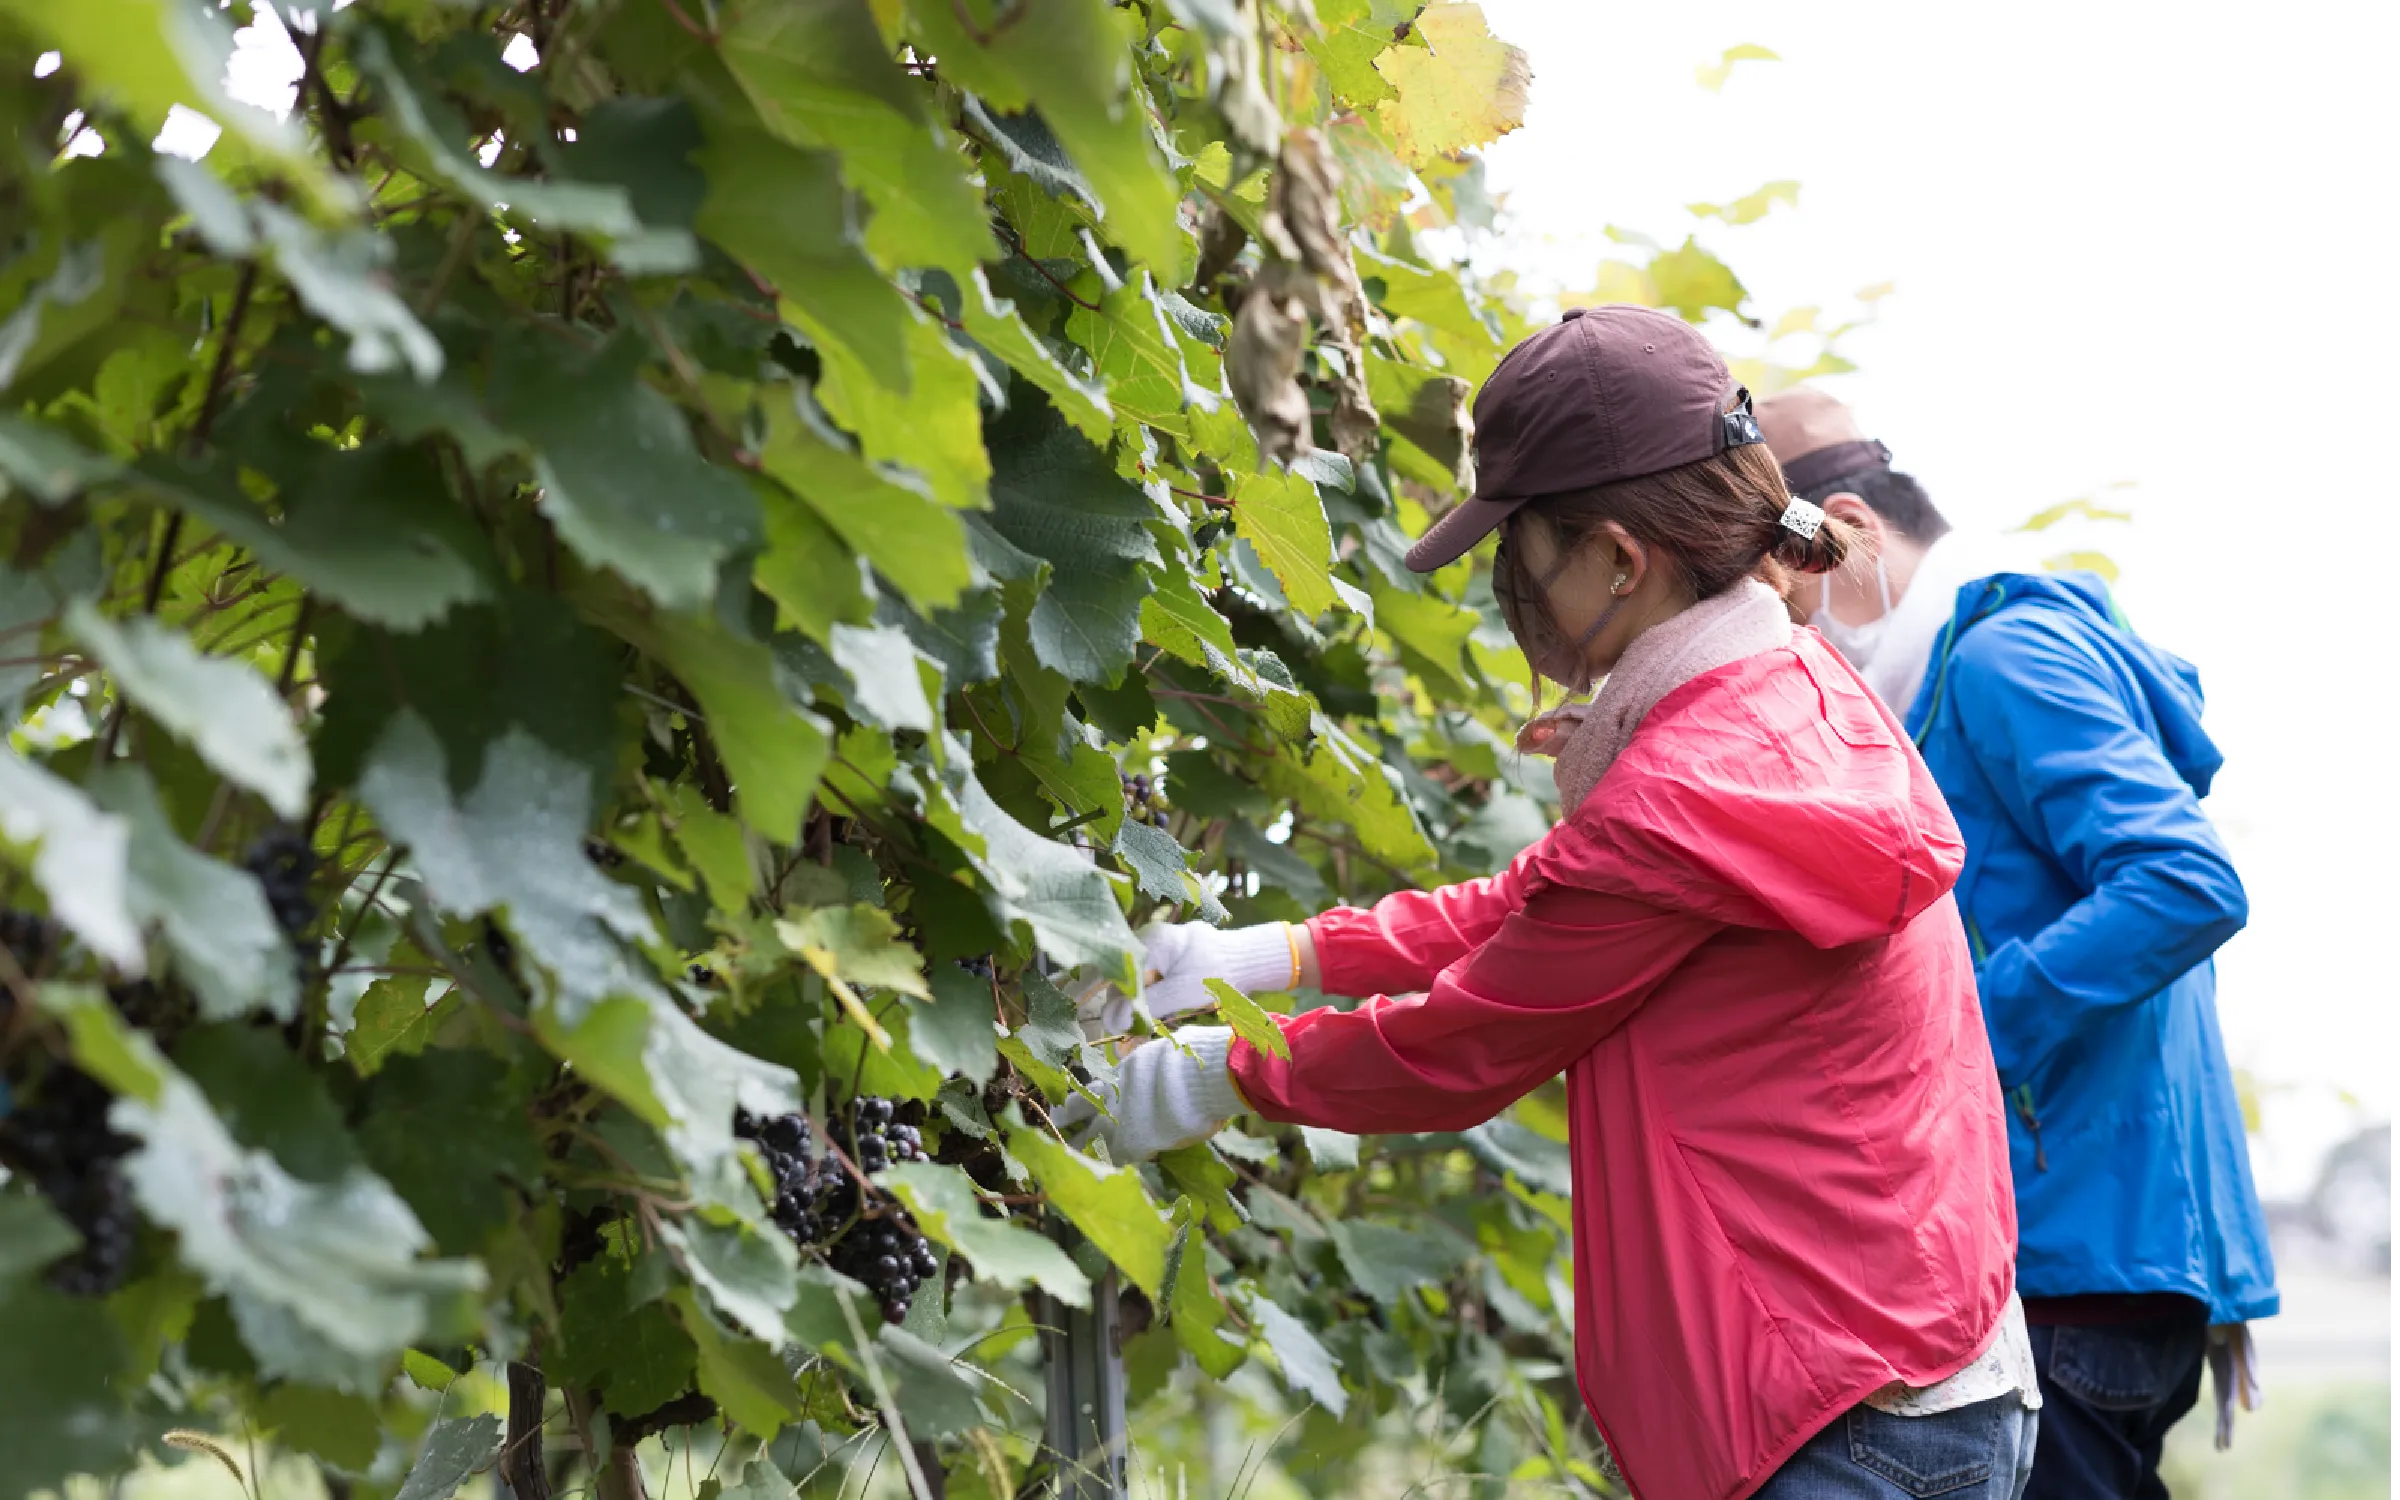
[[606, 633]]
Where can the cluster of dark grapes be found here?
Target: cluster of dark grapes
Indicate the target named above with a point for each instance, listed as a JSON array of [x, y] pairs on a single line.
[[283, 861], [867, 1236], [57, 1137], [980, 966], [1137, 800], [62, 1143]]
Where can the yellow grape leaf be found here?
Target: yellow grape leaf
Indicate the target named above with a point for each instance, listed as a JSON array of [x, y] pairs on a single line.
[[1464, 88], [1712, 76], [1249, 1022], [2083, 562], [1690, 281], [1280, 516], [1751, 207]]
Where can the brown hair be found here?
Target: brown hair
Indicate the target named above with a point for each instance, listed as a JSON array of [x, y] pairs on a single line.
[[1716, 521]]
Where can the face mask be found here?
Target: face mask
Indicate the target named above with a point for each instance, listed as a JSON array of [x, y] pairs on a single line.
[[1857, 643], [1547, 650]]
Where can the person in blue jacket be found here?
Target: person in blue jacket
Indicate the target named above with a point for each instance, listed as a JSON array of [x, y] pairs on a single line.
[[2094, 894]]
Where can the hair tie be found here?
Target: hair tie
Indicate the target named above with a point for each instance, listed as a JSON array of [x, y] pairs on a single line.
[[1804, 518]]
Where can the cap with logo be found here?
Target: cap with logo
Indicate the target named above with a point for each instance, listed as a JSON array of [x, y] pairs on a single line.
[[1816, 439], [1605, 393]]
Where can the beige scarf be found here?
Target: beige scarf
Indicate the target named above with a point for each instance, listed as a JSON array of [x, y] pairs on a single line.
[[1587, 737]]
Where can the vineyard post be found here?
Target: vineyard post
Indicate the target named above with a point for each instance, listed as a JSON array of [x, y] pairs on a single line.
[[1083, 1433]]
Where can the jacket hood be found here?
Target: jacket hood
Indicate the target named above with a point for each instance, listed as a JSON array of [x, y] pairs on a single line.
[[1776, 793], [2169, 685]]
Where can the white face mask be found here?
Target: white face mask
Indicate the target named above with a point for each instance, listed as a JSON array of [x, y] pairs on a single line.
[[1857, 643]]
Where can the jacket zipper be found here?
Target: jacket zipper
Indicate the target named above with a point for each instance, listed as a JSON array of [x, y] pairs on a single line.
[[2022, 1097]]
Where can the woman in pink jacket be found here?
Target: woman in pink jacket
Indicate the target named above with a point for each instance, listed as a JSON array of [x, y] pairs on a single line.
[[1794, 1226]]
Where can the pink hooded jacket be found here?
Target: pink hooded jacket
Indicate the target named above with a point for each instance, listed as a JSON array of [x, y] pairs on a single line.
[[1791, 1166]]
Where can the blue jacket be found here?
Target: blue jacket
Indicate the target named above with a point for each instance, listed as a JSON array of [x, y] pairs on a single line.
[[2094, 893]]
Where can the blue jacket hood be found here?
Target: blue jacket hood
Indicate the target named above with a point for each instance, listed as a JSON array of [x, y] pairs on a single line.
[[2169, 684]]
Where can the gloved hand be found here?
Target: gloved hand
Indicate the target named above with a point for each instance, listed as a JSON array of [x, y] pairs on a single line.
[[1166, 1094], [1179, 961]]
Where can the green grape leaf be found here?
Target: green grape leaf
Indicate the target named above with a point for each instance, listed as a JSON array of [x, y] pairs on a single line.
[[1156, 860], [1279, 515], [368, 531], [1071, 62], [59, 1412], [457, 1449], [31, 1235], [1388, 1262], [1506, 1146], [858, 944], [821, 75], [630, 1350], [1057, 498], [784, 212], [451, 1134], [223, 708], [1134, 348], [674, 1076], [957, 1034], [1057, 892], [101, 1043], [335, 1426], [47, 464], [1690, 281], [1108, 1204], [886, 685], [945, 1206], [514, 843], [774, 748], [993, 322], [79, 856], [745, 1377], [932, 425], [714, 844], [269, 1100], [888, 516], [1425, 294], [1307, 1367], [1351, 35], [215, 918], [324, 1279], [1330, 1150], [1249, 1022], [345, 279], [1464, 88], [1198, 1317], [815, 581], [749, 1271], [437, 146], [935, 1394], [1432, 634], [393, 1020], [1343, 784], [620, 477]]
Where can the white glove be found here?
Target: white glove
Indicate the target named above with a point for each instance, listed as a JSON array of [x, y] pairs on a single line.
[[1179, 961], [1166, 1094]]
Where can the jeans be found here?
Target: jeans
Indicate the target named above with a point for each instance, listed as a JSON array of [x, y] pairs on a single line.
[[2109, 1394], [1979, 1452]]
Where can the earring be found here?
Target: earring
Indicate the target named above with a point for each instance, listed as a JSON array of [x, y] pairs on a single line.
[[1619, 586]]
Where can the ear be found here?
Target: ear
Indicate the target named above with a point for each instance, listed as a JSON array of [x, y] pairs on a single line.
[[1626, 556], [1859, 516]]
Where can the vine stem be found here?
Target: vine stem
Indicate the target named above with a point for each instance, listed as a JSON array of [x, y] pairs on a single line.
[[219, 372]]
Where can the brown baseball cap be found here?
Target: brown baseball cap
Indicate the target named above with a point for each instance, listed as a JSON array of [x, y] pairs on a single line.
[[1816, 439], [1605, 393]]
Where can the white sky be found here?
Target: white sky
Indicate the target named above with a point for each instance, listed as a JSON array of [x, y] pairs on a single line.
[[2131, 243]]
